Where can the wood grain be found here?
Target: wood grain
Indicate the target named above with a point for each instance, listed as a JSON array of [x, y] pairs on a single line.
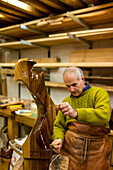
[[36, 151], [92, 55]]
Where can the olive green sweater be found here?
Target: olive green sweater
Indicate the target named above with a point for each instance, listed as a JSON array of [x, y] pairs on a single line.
[[92, 106]]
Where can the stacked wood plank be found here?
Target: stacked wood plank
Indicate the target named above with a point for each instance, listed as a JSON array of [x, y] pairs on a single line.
[[92, 55], [92, 16], [96, 75]]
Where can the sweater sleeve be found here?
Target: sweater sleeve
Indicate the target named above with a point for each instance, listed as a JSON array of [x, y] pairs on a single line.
[[100, 114], [59, 127]]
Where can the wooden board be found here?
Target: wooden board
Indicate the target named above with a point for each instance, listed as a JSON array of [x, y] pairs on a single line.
[[38, 60], [11, 103], [27, 120], [7, 71], [54, 84], [5, 112], [47, 60], [57, 65], [92, 55]]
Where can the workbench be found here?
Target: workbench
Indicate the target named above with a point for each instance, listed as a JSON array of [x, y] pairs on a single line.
[[13, 121]]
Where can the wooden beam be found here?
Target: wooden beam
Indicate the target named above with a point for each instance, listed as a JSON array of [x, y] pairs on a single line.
[[56, 4], [10, 16], [4, 22], [40, 6], [94, 8], [23, 7], [101, 13], [11, 10], [87, 2], [7, 18], [76, 4]]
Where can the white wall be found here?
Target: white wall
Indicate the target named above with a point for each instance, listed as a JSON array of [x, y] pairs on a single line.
[[63, 52]]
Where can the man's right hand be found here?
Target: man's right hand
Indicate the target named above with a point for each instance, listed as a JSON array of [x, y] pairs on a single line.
[[57, 145]]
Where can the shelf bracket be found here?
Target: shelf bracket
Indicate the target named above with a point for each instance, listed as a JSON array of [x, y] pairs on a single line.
[[32, 30], [27, 43], [32, 44], [78, 20], [78, 39]]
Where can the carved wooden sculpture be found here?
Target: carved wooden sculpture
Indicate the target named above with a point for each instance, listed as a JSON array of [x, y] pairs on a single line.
[[36, 151]]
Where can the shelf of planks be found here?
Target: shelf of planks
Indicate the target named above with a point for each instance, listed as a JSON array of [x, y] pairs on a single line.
[[58, 65], [83, 21], [97, 65], [62, 85], [86, 37]]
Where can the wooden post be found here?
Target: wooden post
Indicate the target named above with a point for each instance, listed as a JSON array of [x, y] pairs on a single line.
[[13, 130], [4, 85]]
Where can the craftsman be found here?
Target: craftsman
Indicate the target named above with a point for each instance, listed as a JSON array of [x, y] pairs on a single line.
[[82, 123]]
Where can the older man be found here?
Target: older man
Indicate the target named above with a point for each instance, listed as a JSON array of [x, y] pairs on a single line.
[[82, 124]]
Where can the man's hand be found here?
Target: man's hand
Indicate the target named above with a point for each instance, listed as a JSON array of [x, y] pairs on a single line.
[[66, 109], [57, 143]]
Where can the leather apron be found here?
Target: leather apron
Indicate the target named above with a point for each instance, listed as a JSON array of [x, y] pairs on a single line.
[[87, 147]]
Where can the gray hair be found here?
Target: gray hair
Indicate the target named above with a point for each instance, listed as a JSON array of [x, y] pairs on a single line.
[[76, 70]]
